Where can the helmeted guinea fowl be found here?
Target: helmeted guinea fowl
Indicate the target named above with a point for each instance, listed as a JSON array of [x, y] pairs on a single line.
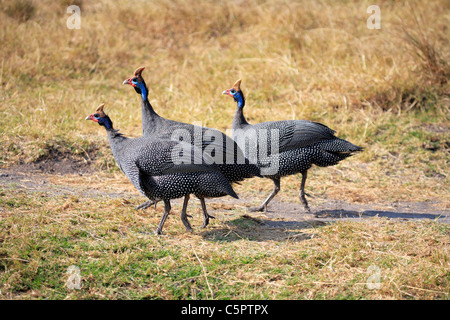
[[164, 169], [222, 149], [286, 147]]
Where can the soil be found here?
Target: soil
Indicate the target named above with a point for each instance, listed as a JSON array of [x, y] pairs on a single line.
[[59, 163], [35, 177]]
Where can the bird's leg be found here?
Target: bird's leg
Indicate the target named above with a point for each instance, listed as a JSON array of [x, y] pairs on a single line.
[[206, 216], [147, 204], [302, 193], [276, 188], [164, 217], [184, 215]]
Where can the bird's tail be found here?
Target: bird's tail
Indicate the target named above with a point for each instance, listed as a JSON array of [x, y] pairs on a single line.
[[228, 189], [335, 150], [223, 186], [233, 194]]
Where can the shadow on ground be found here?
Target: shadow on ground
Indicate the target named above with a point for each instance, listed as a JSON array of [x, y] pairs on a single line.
[[256, 229], [332, 210], [284, 221], [348, 214], [287, 221]]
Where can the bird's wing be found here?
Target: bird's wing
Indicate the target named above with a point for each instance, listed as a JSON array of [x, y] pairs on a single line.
[[295, 133], [168, 157], [216, 140], [207, 139]]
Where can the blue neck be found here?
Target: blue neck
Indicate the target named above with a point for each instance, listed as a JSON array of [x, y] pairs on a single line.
[[239, 98], [144, 93], [105, 121], [108, 125], [239, 120]]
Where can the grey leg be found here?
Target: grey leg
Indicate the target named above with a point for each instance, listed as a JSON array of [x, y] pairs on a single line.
[[302, 192], [206, 216], [147, 204], [184, 215], [164, 217], [276, 189]]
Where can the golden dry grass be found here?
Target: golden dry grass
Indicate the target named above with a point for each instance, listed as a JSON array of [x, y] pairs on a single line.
[[302, 60]]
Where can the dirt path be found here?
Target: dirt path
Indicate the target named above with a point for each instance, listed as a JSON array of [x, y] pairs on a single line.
[[280, 214]]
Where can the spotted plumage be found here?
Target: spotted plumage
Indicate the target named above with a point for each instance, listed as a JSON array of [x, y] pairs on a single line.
[[163, 169], [222, 149], [283, 148]]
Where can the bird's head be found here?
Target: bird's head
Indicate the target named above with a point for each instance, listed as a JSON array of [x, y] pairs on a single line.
[[138, 82], [100, 117], [236, 93]]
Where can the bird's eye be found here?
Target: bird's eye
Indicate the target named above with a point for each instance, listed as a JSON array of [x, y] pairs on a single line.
[[233, 91], [96, 116]]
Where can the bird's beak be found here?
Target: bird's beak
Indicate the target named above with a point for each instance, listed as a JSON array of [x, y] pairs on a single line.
[[227, 92], [128, 81], [91, 117]]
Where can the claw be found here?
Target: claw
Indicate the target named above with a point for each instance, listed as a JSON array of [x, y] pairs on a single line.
[[258, 209], [206, 220], [187, 225], [205, 223], [145, 205]]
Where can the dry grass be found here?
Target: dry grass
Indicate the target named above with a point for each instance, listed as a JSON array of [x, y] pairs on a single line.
[[43, 235], [383, 89], [386, 90]]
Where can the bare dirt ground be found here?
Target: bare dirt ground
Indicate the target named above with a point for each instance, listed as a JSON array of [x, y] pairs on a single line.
[[48, 176]]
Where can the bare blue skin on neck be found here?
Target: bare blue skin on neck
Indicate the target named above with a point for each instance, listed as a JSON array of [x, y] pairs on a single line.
[[142, 88], [149, 116], [144, 93], [106, 122], [239, 120], [238, 97]]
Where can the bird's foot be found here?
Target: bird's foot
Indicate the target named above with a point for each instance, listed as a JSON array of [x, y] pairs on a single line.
[[145, 205], [186, 223], [206, 221], [258, 209]]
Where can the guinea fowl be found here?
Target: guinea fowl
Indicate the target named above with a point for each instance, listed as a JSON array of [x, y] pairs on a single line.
[[290, 146], [225, 152], [163, 170]]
